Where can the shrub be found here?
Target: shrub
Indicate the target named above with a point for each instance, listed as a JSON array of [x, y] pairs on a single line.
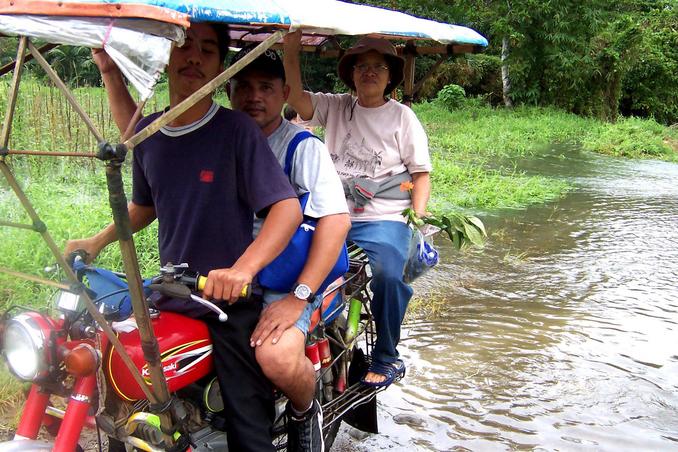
[[451, 97]]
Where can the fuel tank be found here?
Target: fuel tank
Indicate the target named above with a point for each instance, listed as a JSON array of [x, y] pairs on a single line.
[[185, 350]]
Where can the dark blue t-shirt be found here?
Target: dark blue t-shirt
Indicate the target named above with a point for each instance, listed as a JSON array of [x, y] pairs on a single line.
[[206, 181]]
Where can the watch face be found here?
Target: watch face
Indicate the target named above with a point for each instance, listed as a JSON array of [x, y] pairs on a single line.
[[302, 291]]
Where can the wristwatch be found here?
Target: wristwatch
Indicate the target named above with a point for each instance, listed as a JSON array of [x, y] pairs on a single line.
[[303, 292]]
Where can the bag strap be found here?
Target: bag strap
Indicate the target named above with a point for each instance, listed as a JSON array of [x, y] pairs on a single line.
[[292, 147]]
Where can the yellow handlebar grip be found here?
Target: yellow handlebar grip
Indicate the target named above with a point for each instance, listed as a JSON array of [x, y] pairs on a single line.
[[246, 292], [202, 280]]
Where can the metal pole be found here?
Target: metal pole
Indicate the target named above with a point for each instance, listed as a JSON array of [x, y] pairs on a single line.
[[8, 67], [191, 100], [13, 92], [135, 118], [30, 227], [52, 154], [36, 279], [149, 343], [64, 89], [408, 88]]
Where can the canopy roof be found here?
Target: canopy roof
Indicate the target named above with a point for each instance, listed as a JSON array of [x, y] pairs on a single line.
[[137, 33], [320, 17], [324, 17]]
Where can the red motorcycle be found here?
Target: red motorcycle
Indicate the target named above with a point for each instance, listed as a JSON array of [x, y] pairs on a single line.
[[80, 382]]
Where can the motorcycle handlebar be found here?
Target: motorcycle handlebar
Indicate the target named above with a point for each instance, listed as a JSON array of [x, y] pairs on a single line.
[[78, 256], [202, 280]]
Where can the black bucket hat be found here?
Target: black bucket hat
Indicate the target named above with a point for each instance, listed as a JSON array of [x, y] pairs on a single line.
[[395, 63]]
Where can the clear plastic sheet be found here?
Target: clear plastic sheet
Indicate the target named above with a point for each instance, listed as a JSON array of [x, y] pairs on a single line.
[[139, 47]]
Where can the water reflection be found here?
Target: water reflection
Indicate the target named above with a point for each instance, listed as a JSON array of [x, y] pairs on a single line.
[[562, 334]]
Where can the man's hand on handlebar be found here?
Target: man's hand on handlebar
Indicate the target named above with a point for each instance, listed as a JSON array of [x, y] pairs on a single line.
[[226, 284], [88, 245]]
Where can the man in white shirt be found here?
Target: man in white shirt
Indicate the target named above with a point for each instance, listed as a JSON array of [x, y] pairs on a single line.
[[260, 91]]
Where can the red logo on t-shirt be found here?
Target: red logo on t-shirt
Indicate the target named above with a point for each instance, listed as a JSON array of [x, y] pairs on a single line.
[[206, 176]]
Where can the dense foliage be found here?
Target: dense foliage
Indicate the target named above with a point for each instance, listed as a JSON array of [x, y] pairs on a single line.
[[593, 57]]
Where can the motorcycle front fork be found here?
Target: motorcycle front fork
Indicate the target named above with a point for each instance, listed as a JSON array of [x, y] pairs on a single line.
[[75, 416]]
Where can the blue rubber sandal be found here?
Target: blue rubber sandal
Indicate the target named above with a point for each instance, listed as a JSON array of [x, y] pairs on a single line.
[[391, 371]]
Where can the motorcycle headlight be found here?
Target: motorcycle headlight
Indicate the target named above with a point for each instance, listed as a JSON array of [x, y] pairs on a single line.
[[24, 347]]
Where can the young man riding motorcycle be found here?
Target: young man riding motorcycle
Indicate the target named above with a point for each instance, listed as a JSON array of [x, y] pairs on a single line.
[[203, 177]]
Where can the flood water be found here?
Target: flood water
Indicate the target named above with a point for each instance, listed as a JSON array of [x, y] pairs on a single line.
[[561, 334]]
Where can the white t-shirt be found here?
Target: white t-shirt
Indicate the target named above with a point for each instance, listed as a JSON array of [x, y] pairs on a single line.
[[375, 143], [312, 172]]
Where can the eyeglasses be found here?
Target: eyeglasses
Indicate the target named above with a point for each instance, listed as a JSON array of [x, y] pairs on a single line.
[[376, 68]]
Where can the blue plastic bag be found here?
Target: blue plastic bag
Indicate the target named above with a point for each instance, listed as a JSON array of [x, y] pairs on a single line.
[[422, 256]]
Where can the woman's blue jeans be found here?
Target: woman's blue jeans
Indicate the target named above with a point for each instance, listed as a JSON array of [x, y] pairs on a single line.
[[386, 244]]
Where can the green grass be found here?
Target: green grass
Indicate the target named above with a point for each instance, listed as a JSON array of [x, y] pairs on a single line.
[[635, 138], [11, 398], [73, 204], [467, 144]]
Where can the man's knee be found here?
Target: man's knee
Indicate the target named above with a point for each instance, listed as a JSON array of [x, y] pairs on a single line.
[[284, 358]]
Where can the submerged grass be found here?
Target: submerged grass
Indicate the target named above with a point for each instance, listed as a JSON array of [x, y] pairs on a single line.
[[466, 145], [635, 138]]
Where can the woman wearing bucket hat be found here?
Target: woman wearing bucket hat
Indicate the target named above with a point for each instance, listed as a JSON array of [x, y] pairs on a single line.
[[378, 146]]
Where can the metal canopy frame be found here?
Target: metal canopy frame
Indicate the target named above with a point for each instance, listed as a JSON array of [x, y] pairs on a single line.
[[114, 155]]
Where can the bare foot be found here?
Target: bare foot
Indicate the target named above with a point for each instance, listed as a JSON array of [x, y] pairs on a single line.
[[372, 377], [382, 374]]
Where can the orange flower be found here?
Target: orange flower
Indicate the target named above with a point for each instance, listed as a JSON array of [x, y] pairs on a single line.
[[406, 186]]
